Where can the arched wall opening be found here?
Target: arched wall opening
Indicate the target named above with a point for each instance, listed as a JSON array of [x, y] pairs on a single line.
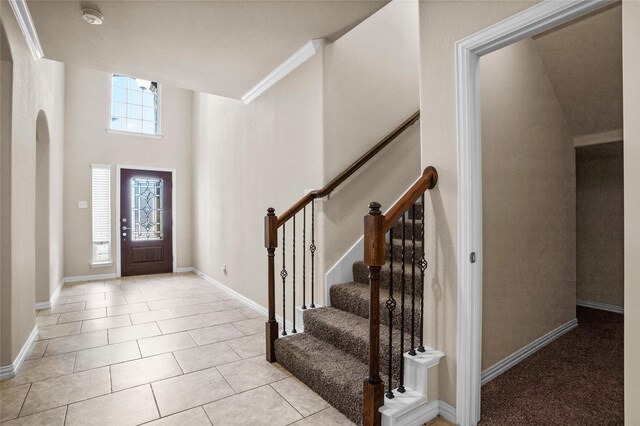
[[6, 115], [42, 234]]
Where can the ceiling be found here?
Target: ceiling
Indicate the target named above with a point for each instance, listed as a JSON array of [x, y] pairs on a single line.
[[220, 47], [584, 63]]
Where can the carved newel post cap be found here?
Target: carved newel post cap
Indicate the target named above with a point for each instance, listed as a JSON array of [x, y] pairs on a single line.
[[374, 208], [271, 211]]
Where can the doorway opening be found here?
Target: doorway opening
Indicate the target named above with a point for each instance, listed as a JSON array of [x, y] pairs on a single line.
[[473, 239], [145, 221]]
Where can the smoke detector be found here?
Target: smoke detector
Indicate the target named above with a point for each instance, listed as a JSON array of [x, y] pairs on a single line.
[[92, 16]]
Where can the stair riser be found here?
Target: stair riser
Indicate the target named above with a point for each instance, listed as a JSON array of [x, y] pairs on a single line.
[[351, 303], [419, 212], [345, 397], [408, 247], [408, 230], [361, 275], [359, 348]]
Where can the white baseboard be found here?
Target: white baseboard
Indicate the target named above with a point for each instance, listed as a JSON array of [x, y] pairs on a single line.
[[43, 305], [252, 304], [47, 305], [96, 277], [500, 367], [183, 270], [602, 306], [8, 371], [447, 412]]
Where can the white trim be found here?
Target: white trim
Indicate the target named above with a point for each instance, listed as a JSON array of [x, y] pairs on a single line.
[[291, 63], [532, 21], [47, 305], [413, 409], [43, 305], [520, 355], [342, 270], [447, 412], [8, 371], [597, 138], [106, 264], [602, 306], [174, 213], [183, 270], [23, 16], [137, 134], [252, 304], [96, 277]]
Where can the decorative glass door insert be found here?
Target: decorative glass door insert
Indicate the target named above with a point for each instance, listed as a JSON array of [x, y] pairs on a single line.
[[146, 203]]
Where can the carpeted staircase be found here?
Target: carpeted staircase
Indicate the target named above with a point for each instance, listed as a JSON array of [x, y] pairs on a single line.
[[331, 355]]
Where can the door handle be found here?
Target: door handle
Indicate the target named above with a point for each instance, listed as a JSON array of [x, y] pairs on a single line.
[[124, 228]]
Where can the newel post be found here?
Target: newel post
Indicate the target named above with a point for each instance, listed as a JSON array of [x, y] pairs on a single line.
[[374, 257], [271, 242]]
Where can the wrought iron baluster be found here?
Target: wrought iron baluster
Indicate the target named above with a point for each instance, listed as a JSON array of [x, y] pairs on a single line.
[[284, 274], [402, 289], [412, 351], [423, 266], [304, 257], [391, 306], [293, 330], [312, 248]]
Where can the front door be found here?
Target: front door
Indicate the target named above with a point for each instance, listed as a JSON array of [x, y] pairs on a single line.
[[145, 222]]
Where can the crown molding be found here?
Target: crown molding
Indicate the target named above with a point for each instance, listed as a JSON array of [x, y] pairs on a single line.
[[291, 63], [21, 11]]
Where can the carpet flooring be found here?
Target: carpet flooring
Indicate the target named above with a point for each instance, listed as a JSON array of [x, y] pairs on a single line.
[[576, 380]]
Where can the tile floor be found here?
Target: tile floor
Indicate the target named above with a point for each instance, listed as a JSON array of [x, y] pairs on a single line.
[[157, 350]]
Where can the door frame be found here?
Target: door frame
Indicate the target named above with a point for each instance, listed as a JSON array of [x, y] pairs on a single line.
[[534, 20], [174, 243]]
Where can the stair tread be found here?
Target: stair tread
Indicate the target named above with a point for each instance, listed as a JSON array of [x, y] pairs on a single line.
[[350, 333], [361, 274], [330, 372], [354, 298]]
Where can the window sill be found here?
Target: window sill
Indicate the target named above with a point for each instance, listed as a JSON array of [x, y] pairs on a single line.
[[101, 264], [138, 134]]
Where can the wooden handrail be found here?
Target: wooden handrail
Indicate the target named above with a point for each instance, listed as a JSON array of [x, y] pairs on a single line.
[[428, 180], [355, 166]]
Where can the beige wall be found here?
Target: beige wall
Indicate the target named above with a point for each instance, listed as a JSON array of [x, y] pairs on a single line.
[[600, 223], [529, 221], [247, 158], [631, 77], [36, 86], [88, 142], [442, 24], [371, 85]]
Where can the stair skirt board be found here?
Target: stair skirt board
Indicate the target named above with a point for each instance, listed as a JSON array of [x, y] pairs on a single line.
[[602, 306], [533, 347], [47, 305], [342, 270], [8, 371]]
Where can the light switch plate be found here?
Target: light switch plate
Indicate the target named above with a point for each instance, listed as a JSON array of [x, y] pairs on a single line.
[[82, 204]]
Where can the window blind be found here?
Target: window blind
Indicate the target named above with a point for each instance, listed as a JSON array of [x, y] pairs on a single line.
[[101, 203]]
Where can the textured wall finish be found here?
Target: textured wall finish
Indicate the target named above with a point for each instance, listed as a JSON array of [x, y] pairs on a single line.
[[442, 24], [529, 230], [88, 142], [35, 86], [600, 223]]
